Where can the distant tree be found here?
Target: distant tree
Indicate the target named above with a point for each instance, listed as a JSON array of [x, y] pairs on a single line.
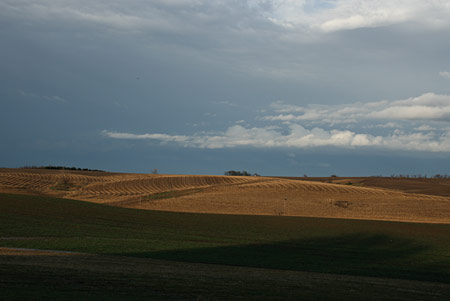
[[232, 173], [245, 173], [237, 173], [155, 171]]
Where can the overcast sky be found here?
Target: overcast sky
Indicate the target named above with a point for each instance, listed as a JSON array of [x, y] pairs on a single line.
[[276, 87]]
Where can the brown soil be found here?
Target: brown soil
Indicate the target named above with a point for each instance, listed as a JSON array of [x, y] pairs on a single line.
[[439, 187], [396, 200]]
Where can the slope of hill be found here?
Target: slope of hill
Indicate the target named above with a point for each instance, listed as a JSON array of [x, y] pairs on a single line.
[[231, 195], [429, 186]]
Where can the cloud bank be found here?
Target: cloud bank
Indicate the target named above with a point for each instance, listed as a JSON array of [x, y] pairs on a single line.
[[299, 137], [191, 15], [274, 38], [330, 16], [428, 107]]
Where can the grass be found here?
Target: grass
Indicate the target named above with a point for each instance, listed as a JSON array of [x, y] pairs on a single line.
[[118, 278], [353, 247]]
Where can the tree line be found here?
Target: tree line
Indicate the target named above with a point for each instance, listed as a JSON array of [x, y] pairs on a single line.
[[419, 176], [61, 168]]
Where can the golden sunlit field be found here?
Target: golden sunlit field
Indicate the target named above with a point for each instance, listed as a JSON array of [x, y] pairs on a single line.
[[342, 198]]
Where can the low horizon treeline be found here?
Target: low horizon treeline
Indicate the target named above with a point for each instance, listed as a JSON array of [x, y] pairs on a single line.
[[419, 176], [404, 176], [60, 168]]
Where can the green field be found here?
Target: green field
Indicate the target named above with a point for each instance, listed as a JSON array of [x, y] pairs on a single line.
[[406, 251]]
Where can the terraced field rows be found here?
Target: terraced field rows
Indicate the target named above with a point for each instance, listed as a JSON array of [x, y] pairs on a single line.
[[314, 186], [230, 195], [31, 180], [107, 187], [330, 189], [144, 185]]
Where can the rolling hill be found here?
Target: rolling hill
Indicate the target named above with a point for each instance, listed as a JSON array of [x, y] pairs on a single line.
[[231, 195]]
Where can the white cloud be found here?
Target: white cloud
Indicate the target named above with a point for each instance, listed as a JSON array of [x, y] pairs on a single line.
[[417, 112], [444, 74], [132, 16], [338, 15], [162, 137], [425, 128], [226, 103], [192, 15], [300, 137], [54, 98], [388, 125], [429, 106]]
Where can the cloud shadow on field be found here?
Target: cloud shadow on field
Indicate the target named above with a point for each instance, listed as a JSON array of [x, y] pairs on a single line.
[[364, 254]]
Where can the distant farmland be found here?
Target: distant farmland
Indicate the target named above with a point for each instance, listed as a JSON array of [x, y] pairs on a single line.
[[354, 198]]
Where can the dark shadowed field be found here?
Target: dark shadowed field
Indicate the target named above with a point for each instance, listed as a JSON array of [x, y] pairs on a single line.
[[128, 253]]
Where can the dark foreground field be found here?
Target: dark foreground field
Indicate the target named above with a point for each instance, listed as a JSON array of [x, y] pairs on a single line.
[[134, 254], [93, 277]]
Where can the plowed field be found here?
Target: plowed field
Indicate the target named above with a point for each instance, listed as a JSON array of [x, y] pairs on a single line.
[[230, 195]]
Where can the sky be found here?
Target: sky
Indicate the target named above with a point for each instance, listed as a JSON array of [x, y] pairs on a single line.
[[281, 87]]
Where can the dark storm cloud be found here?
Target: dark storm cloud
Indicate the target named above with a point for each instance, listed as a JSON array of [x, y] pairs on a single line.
[[72, 69]]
